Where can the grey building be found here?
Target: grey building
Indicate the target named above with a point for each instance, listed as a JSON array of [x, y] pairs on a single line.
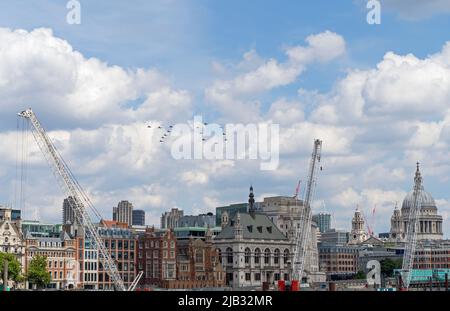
[[68, 217], [123, 213], [252, 249], [232, 209], [170, 220], [323, 221], [202, 220], [138, 218], [335, 237]]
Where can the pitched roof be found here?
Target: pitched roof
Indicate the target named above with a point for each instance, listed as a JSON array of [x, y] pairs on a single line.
[[259, 227]]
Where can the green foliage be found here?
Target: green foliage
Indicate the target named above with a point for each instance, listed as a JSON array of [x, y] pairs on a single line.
[[388, 265], [360, 275], [38, 273], [14, 267]]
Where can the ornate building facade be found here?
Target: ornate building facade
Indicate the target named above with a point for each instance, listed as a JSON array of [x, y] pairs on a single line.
[[358, 234], [253, 250], [429, 221], [11, 237], [287, 214]]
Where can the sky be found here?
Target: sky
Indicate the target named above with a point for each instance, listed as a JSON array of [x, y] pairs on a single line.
[[377, 95]]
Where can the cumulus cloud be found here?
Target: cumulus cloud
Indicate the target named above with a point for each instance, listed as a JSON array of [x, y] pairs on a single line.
[[43, 71], [239, 93]]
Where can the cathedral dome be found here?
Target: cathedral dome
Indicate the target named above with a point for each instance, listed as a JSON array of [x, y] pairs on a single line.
[[427, 201]]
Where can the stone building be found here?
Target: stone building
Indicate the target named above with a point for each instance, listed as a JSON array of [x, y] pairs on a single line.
[[11, 236], [287, 213], [429, 221], [253, 250], [358, 234], [170, 220], [61, 259]]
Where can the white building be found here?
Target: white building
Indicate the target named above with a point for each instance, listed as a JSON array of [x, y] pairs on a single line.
[[358, 234], [253, 250], [287, 214], [11, 236], [429, 221]]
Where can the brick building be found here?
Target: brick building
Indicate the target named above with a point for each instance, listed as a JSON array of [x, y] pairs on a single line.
[[61, 259], [338, 261], [198, 265], [157, 256]]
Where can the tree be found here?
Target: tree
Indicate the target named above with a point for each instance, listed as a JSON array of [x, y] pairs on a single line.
[[37, 272], [360, 275], [388, 266], [14, 267]]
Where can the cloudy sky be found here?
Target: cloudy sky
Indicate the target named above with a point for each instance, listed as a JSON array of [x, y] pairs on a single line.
[[377, 95]]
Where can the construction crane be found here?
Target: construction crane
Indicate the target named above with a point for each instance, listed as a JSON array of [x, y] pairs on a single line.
[[135, 282], [411, 232], [72, 188], [303, 232]]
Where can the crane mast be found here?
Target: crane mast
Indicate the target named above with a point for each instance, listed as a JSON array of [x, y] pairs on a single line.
[[411, 231], [303, 233], [72, 189]]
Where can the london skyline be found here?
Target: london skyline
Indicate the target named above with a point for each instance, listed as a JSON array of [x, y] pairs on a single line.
[[318, 73]]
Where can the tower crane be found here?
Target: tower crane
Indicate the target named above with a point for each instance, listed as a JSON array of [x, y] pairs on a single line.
[[411, 231], [303, 232], [71, 188]]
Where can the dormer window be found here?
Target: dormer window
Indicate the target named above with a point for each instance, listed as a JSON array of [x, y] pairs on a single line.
[[250, 228], [259, 229], [269, 229]]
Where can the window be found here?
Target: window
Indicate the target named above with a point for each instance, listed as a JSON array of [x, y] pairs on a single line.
[[286, 256], [257, 276], [199, 256], [60, 275], [229, 255], [172, 244], [219, 253], [267, 256], [248, 277], [257, 256], [247, 255], [276, 258]]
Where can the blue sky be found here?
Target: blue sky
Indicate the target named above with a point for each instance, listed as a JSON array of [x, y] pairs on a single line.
[[189, 46]]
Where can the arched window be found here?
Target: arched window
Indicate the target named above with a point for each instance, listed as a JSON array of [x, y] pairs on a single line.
[[229, 255], [257, 256], [286, 256], [267, 256], [247, 255], [276, 259]]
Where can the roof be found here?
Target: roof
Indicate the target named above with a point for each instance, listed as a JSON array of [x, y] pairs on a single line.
[[259, 227]]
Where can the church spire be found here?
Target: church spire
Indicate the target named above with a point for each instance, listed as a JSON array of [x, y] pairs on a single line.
[[251, 203], [418, 177]]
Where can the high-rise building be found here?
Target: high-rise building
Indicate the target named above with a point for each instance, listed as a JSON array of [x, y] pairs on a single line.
[[123, 213], [68, 212], [170, 220], [323, 221], [138, 218]]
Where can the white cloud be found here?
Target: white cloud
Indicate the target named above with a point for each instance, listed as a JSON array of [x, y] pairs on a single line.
[[229, 96], [41, 70]]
